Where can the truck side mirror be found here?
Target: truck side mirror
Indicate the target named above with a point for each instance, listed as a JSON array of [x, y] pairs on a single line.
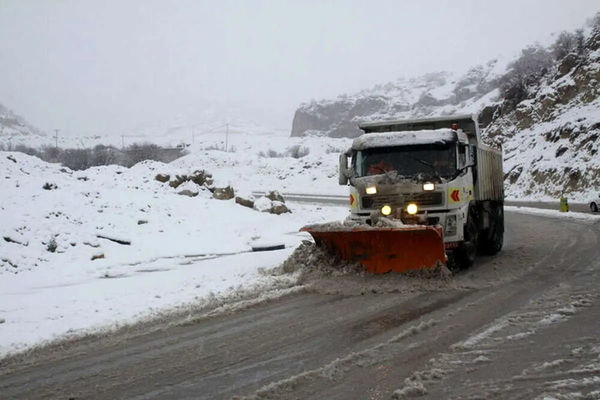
[[344, 171]]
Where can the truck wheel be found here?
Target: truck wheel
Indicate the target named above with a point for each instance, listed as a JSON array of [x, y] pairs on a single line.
[[464, 255], [594, 207], [495, 238]]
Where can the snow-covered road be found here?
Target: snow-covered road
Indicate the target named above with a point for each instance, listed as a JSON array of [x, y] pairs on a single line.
[[523, 324]]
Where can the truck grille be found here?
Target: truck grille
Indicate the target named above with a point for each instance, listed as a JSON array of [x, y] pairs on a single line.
[[399, 200]]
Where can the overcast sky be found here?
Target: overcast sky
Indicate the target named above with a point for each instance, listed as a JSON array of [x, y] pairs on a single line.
[[117, 66]]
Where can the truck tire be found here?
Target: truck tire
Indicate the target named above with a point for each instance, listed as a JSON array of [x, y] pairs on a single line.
[[464, 255], [594, 207], [494, 239]]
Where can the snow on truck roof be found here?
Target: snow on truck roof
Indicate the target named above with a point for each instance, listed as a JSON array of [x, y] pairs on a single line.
[[388, 139], [444, 118]]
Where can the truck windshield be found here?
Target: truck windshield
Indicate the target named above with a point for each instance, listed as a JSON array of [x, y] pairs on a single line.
[[429, 159]]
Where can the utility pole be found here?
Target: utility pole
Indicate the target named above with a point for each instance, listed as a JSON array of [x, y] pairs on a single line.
[[56, 138], [226, 136]]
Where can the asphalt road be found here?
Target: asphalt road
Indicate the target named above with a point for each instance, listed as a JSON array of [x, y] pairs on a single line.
[[522, 324]]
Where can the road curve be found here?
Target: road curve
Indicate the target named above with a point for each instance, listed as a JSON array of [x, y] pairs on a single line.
[[523, 324]]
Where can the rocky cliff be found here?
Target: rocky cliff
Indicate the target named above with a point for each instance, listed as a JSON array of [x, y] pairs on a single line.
[[431, 94]]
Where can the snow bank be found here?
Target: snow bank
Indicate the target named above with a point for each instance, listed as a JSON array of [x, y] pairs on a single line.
[[95, 249], [554, 213]]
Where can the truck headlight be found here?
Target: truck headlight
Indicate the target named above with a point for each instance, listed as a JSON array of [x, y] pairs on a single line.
[[412, 208], [386, 210], [428, 186], [450, 229], [371, 190]]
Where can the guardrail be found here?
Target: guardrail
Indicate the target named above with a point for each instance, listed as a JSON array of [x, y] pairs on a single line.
[[310, 198]]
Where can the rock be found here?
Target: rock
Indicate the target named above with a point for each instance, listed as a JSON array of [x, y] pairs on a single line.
[[187, 192], [163, 178], [97, 256], [244, 202], [274, 195], [488, 114], [11, 158], [51, 246], [560, 151], [567, 64], [2, 320], [179, 179], [225, 193], [279, 208], [263, 204], [142, 222], [49, 186], [201, 178]]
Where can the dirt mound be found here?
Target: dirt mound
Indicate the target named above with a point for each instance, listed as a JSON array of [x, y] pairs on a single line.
[[325, 273]]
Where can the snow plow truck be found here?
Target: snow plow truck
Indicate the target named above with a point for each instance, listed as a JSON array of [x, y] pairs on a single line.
[[423, 193]]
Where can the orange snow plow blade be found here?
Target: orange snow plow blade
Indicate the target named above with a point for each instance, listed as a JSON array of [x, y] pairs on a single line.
[[382, 250]]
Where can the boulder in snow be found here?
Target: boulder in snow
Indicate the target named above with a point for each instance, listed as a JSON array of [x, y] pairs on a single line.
[[279, 208], [201, 177], [179, 179], [265, 204], [244, 202], [187, 192], [274, 195], [225, 193], [163, 178]]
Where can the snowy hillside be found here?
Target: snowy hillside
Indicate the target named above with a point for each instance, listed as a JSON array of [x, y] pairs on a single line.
[[551, 138], [14, 129]]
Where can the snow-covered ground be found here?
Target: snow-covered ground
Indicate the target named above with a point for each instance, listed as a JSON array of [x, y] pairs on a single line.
[[61, 275]]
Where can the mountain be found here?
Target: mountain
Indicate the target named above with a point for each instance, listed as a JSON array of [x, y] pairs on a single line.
[[542, 108], [15, 130], [438, 93]]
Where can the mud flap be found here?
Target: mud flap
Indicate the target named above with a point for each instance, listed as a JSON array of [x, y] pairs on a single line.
[[382, 250]]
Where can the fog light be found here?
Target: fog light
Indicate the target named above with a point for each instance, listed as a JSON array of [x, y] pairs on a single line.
[[428, 186], [412, 209], [450, 225], [386, 210], [371, 190]]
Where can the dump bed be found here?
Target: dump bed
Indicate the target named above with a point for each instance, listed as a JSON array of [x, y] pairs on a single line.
[[489, 183]]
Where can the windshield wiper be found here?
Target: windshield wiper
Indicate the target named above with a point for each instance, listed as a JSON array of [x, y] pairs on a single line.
[[435, 171]]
